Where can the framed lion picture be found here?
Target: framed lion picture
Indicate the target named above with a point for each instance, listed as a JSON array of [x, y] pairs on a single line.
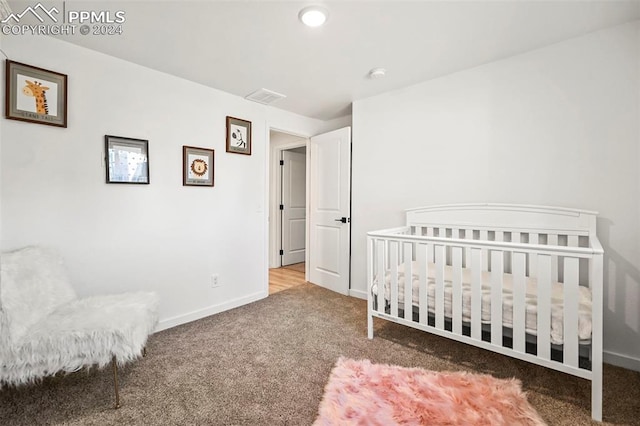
[[197, 166]]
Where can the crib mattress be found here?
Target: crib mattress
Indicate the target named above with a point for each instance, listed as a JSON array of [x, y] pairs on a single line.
[[531, 317]]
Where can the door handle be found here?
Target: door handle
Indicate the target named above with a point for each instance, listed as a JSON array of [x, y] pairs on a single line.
[[343, 220]]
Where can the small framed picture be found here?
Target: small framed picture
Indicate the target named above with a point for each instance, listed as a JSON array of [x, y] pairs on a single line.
[[127, 160], [197, 166], [35, 95], [238, 136]]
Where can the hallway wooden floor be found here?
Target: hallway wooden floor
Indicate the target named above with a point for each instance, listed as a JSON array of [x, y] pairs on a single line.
[[286, 277]]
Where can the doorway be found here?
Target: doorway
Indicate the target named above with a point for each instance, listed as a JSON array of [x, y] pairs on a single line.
[[327, 195], [287, 199]]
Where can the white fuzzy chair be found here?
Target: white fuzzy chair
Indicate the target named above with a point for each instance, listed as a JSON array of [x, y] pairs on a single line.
[[45, 329]]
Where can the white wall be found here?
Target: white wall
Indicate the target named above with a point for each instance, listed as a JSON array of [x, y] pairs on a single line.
[[163, 236], [337, 123], [555, 126]]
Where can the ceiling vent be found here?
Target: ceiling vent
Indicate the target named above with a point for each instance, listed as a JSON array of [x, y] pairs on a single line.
[[264, 96]]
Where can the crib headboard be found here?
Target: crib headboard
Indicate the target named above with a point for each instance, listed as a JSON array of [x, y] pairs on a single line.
[[505, 217]]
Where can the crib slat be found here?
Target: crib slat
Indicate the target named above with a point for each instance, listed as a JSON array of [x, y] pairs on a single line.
[[380, 251], [573, 241], [476, 294], [456, 296], [370, 275], [468, 235], [544, 306], [519, 300], [496, 296], [423, 271], [484, 236], [370, 265], [439, 308], [499, 236], [552, 240], [571, 303], [455, 234], [430, 257], [430, 233], [506, 255], [393, 259], [515, 237], [408, 281], [533, 258]]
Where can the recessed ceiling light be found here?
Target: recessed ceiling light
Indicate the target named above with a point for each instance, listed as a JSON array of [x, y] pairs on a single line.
[[313, 16]]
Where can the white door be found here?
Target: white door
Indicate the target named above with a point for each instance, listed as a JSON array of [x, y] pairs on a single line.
[[293, 206], [329, 213]]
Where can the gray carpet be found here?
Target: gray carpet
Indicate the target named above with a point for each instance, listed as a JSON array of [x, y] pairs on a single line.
[[267, 364]]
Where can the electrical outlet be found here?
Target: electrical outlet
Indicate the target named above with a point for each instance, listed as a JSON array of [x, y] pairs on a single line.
[[215, 282]]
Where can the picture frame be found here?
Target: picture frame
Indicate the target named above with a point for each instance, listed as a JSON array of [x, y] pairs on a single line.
[[238, 136], [35, 95], [126, 160], [198, 166]]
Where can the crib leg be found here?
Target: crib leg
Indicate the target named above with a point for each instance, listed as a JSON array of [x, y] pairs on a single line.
[[596, 389], [370, 319], [115, 382]]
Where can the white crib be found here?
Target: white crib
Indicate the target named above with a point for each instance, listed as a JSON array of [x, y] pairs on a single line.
[[523, 281]]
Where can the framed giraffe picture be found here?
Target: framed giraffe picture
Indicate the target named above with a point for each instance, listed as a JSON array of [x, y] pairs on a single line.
[[238, 136], [35, 95]]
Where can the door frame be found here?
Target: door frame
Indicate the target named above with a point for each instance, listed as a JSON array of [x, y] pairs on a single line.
[[274, 194]]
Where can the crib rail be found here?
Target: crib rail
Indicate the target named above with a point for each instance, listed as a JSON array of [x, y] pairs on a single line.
[[444, 254]]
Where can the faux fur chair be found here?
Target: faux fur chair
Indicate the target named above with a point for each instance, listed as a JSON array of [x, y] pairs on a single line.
[[45, 329]]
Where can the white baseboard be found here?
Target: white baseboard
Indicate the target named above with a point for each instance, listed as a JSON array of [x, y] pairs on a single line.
[[620, 360], [358, 293], [211, 310]]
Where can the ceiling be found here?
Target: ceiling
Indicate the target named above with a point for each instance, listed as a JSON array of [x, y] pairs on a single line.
[[242, 46]]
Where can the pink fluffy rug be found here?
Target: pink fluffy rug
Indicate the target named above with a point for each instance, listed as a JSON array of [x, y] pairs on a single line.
[[362, 393]]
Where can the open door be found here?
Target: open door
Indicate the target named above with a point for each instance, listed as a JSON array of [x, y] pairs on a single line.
[[293, 207], [330, 209]]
